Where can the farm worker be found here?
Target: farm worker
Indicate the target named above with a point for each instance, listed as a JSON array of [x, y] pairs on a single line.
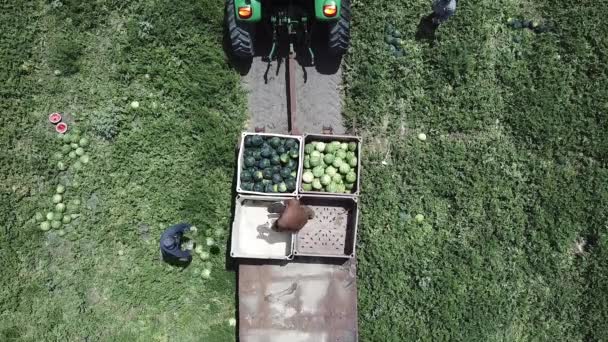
[[170, 242], [443, 10], [294, 216]]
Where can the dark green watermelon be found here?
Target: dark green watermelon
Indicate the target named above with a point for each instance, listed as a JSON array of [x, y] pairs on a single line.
[[248, 141], [276, 169], [246, 176], [285, 172], [257, 140], [275, 160], [280, 150], [294, 153], [247, 186], [274, 142], [291, 185], [257, 155], [291, 143], [266, 151], [259, 187], [276, 178], [249, 161], [264, 163], [269, 188], [292, 164], [267, 173]]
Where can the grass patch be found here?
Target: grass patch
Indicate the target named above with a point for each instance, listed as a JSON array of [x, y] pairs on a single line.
[[513, 174], [168, 161]]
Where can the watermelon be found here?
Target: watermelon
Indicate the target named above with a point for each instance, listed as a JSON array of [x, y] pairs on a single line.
[[316, 184], [344, 168], [266, 151], [267, 173], [258, 176], [325, 179], [258, 187], [276, 178], [318, 171], [332, 187], [264, 163], [247, 141], [269, 188], [285, 172], [249, 161], [274, 142], [292, 164], [351, 177], [294, 153], [275, 160], [291, 184], [246, 176], [257, 140], [291, 143], [247, 186]]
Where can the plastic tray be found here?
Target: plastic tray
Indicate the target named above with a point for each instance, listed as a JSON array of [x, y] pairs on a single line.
[[240, 164], [252, 233], [326, 138], [333, 230]]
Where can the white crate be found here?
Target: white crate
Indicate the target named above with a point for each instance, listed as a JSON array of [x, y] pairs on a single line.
[[240, 164], [252, 233]]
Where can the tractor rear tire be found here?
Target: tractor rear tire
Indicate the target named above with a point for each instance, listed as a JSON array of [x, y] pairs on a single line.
[[339, 32], [240, 33]]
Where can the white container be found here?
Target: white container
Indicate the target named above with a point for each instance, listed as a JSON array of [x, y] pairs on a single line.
[[240, 163], [328, 138], [252, 233]]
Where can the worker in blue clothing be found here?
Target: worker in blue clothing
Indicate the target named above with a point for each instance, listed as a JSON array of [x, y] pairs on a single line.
[[443, 10]]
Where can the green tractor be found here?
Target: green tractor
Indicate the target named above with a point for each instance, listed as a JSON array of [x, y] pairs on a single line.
[[296, 19]]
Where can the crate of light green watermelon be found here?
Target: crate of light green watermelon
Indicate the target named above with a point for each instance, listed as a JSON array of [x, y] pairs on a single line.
[[268, 164], [331, 165]]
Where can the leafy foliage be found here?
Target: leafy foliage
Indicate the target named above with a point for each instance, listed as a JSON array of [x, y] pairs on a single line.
[[512, 179], [170, 160]]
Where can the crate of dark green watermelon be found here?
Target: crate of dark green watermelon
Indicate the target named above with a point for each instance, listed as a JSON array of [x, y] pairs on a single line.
[[268, 164], [331, 165]]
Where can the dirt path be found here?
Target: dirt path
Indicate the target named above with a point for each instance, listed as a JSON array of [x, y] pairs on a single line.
[[318, 98], [322, 303]]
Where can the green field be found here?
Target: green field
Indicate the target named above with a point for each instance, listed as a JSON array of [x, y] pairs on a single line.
[[512, 180]]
